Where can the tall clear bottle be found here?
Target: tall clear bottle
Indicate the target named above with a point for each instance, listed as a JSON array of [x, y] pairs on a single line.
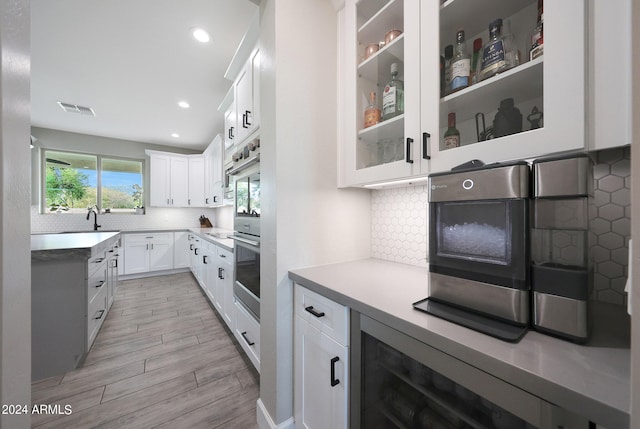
[[460, 65], [393, 96], [497, 54]]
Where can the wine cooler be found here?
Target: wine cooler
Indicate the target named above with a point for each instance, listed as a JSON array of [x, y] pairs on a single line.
[[422, 387]]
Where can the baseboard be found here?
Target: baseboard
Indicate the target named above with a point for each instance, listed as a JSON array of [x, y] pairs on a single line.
[[266, 422], [152, 274]]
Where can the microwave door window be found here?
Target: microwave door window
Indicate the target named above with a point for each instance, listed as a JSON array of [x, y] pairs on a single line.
[[474, 231]]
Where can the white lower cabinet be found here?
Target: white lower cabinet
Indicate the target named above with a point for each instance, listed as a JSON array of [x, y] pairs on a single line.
[[321, 362], [224, 285], [148, 252], [247, 332], [181, 256]]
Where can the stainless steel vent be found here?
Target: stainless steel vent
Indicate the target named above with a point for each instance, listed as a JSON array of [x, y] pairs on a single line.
[[74, 108]]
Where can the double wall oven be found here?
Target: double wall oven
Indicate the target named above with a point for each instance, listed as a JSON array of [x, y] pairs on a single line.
[[246, 286]]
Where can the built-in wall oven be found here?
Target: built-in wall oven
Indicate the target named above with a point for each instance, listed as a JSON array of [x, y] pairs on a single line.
[[479, 249], [246, 285]]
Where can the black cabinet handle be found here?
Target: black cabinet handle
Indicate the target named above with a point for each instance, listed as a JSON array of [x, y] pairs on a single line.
[[220, 271], [101, 314], [191, 247], [215, 199], [244, 335], [425, 145], [231, 136], [204, 259], [246, 114], [315, 313], [195, 250], [408, 158], [99, 260], [100, 284], [334, 380]]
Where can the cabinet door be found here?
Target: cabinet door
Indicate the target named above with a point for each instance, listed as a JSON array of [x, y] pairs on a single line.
[[208, 273], [230, 125], [554, 83], [227, 291], [181, 256], [390, 149], [161, 252], [217, 172], [320, 379], [136, 256], [179, 181], [196, 181], [247, 115], [159, 177]]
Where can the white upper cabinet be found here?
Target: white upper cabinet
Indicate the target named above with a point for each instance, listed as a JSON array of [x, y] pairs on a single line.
[[196, 181], [390, 149], [168, 179], [555, 93], [213, 173], [247, 97], [230, 124], [554, 83]]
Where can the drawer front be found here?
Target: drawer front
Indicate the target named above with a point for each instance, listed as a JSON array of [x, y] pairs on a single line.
[[97, 281], [96, 313], [164, 237], [136, 238], [96, 263], [327, 316], [224, 255], [247, 333]]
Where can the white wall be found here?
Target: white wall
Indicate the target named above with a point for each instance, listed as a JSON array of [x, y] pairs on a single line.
[[306, 219], [15, 251]]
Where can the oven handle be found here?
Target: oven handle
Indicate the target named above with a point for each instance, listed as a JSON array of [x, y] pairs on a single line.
[[245, 240]]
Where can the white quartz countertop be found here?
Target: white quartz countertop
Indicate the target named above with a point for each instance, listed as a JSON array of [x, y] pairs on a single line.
[[69, 241], [592, 380]]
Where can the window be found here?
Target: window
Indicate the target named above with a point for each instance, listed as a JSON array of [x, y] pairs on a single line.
[[76, 181]]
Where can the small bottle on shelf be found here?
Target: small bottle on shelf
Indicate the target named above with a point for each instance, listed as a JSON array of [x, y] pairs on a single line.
[[477, 48], [393, 96], [497, 54], [460, 65], [372, 112], [452, 135]]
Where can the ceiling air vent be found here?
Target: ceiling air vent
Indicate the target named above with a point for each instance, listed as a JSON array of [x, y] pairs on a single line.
[[74, 108]]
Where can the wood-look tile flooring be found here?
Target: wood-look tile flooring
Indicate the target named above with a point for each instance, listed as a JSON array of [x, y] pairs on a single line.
[[162, 359]]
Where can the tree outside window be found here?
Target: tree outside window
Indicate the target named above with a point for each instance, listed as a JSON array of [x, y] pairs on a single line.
[[75, 182]]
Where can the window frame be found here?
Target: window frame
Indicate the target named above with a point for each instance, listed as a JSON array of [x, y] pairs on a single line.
[[99, 158]]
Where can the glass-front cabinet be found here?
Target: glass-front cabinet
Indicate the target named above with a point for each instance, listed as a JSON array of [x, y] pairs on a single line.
[[534, 104], [381, 93], [527, 100]]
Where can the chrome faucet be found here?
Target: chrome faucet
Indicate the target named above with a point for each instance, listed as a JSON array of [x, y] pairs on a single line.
[[94, 210]]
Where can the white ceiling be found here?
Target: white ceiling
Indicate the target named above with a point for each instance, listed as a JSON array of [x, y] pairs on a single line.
[[131, 61]]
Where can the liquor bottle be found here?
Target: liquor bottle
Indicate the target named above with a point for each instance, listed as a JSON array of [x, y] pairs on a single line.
[[448, 57], [442, 76], [393, 96], [452, 135], [372, 111], [460, 65], [477, 48], [497, 53], [537, 38]]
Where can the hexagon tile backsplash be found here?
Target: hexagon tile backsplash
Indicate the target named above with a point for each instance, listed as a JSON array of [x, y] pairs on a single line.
[[399, 224]]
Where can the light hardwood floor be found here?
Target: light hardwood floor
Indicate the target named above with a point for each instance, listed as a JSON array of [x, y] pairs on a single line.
[[162, 359]]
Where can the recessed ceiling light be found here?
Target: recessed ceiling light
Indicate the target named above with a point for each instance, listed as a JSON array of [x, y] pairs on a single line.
[[175, 135], [201, 35], [183, 104]]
